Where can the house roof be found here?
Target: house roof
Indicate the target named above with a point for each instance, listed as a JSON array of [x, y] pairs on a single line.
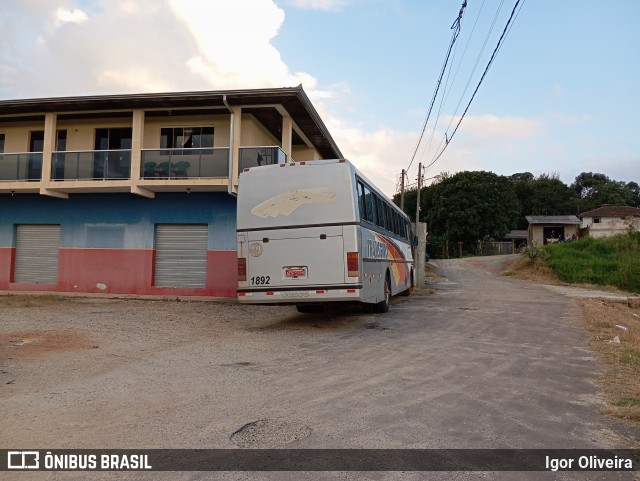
[[553, 219], [516, 234], [264, 104], [613, 211]]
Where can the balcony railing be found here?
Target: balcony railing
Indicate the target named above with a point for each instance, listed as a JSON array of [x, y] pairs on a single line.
[[91, 165], [116, 164], [21, 167], [255, 156], [184, 163]]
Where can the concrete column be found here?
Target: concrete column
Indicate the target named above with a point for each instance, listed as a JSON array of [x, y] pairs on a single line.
[[287, 135], [137, 132], [50, 137], [236, 138], [421, 232]]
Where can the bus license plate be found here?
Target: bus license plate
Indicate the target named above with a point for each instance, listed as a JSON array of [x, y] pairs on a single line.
[[295, 272]]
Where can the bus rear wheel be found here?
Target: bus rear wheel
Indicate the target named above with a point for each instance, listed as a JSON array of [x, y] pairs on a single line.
[[383, 306]]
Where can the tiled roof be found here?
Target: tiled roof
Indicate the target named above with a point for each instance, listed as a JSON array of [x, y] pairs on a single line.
[[612, 211]]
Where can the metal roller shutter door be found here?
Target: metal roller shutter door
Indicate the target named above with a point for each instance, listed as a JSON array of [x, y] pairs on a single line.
[[181, 255], [37, 254]]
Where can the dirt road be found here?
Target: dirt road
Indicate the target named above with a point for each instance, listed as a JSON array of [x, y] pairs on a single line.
[[485, 362]]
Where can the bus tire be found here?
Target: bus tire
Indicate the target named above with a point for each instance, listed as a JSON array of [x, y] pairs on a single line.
[[383, 306], [309, 308]]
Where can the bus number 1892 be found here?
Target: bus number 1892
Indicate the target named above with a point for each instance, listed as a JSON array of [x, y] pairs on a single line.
[[260, 280]]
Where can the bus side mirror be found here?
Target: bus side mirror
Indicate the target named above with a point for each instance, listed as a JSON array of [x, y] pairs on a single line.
[[415, 241]]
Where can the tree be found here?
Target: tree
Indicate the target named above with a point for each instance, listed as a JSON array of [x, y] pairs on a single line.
[[544, 195], [595, 190], [469, 206]]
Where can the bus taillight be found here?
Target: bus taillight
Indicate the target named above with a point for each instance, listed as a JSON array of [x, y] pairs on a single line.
[[242, 269], [353, 269]]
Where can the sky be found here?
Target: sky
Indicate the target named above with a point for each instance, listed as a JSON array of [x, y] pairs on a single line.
[[561, 96]]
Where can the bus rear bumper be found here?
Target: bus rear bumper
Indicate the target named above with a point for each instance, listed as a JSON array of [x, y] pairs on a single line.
[[300, 296]]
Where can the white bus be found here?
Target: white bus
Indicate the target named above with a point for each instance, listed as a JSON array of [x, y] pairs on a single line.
[[311, 233]]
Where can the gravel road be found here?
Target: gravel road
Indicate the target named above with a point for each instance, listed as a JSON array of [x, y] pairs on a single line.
[[484, 362]]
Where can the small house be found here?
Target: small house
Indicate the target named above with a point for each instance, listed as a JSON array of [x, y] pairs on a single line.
[[547, 229], [609, 220]]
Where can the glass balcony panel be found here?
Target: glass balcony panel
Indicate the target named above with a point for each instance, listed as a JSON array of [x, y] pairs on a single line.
[[256, 156], [91, 165], [21, 167], [185, 163]]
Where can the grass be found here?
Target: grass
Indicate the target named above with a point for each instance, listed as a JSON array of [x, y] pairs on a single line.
[[613, 261], [524, 268], [620, 378], [30, 300]]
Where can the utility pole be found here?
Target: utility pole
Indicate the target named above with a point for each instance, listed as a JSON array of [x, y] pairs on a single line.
[[421, 232], [418, 196], [402, 190]]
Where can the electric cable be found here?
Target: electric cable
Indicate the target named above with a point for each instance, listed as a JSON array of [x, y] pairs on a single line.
[[456, 31], [506, 29], [446, 92]]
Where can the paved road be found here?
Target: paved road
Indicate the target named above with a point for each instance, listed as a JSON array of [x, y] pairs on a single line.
[[485, 361]]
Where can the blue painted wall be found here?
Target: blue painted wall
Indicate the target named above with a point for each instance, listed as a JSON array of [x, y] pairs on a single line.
[[120, 220]]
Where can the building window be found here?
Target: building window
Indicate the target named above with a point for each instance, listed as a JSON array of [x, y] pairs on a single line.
[[1, 142], [113, 139], [112, 158], [186, 137], [36, 142], [596, 220]]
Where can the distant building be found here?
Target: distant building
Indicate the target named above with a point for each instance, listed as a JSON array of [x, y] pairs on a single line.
[[608, 213], [545, 229], [609, 220], [135, 194], [518, 238]]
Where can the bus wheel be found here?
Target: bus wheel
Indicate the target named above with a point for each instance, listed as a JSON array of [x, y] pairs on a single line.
[[383, 306], [309, 308]]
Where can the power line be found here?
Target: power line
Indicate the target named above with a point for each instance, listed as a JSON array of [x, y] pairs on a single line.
[[456, 31], [506, 29], [475, 66], [445, 94]]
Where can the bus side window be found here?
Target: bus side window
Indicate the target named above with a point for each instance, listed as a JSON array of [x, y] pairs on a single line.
[[381, 213], [361, 203], [389, 218], [370, 205]]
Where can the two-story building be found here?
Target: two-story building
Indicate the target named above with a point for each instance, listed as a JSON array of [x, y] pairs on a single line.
[[136, 193]]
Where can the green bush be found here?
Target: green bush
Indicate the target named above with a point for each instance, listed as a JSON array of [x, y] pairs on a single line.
[[534, 252], [613, 261]]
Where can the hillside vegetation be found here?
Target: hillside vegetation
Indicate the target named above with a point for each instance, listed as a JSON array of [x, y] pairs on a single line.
[[613, 261]]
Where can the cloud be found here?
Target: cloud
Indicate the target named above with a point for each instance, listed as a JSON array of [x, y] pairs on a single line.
[[125, 46], [324, 5], [233, 49], [70, 16], [380, 154], [491, 126]]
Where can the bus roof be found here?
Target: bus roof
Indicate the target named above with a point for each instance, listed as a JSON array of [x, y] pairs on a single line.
[[269, 171]]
